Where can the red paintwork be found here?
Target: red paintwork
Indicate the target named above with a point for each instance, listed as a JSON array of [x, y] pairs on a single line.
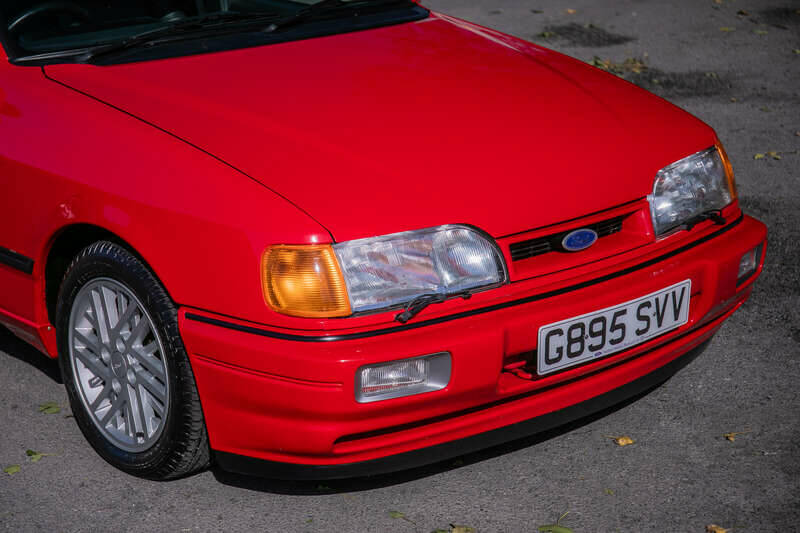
[[296, 399], [435, 121], [199, 163]]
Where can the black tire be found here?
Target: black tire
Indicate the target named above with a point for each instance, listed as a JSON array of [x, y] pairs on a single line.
[[181, 446]]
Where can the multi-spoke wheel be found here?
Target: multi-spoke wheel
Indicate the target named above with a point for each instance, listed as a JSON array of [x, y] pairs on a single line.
[[129, 381], [118, 360]]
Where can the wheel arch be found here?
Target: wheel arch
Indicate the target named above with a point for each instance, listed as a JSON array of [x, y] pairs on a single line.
[[65, 244]]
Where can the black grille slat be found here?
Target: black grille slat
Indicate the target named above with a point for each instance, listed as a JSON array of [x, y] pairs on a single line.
[[549, 243]]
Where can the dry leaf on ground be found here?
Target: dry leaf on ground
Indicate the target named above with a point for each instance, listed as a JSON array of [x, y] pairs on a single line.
[[622, 440], [713, 528], [732, 435], [557, 527], [398, 514], [49, 408], [36, 456], [11, 469]]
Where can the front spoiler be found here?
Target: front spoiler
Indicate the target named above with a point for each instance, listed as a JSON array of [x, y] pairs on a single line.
[[301, 472]]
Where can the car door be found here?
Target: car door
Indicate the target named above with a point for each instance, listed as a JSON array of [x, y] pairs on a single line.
[[24, 190]]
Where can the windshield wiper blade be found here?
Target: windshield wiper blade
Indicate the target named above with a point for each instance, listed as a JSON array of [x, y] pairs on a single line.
[[324, 6], [57, 54], [714, 215], [419, 303], [233, 20]]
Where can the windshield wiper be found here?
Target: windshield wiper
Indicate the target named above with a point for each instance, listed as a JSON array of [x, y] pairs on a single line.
[[714, 215], [324, 6], [419, 303], [233, 20]]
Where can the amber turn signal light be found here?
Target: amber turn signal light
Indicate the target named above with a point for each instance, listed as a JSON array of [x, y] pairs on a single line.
[[726, 163], [304, 280]]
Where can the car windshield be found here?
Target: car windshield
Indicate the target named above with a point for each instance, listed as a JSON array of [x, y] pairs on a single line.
[[56, 28]]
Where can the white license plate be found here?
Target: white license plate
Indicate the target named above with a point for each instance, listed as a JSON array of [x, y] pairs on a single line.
[[613, 329]]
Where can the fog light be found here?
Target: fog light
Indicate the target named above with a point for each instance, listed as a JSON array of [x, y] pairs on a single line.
[[749, 263], [405, 377]]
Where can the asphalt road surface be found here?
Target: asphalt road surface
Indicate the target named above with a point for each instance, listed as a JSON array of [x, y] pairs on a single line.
[[733, 63]]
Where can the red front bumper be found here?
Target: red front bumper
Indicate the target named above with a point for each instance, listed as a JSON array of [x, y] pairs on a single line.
[[288, 397]]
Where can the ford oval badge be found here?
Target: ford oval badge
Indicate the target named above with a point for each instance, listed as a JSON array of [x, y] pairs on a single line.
[[578, 240]]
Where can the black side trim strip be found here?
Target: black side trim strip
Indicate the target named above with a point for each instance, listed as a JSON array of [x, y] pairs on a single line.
[[15, 260], [447, 450], [463, 314]]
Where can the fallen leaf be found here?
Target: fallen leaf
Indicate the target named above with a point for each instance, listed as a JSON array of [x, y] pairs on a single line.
[[765, 109], [11, 469], [547, 34], [796, 50], [557, 527], [631, 64], [398, 514], [732, 435], [759, 156], [718, 2], [734, 99], [49, 408], [554, 528], [773, 154], [760, 32], [727, 28], [571, 11], [36, 456], [461, 529], [309, 520], [622, 440], [713, 528], [609, 492]]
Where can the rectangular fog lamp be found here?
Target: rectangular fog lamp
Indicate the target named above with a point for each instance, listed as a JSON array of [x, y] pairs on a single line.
[[404, 377], [748, 264]]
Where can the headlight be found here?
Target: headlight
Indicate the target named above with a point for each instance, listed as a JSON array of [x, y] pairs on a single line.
[[696, 184], [380, 272], [390, 271]]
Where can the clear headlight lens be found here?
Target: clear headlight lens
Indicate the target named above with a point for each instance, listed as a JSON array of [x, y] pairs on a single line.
[[696, 184], [391, 270]]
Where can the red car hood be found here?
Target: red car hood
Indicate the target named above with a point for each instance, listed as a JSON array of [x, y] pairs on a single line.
[[410, 126]]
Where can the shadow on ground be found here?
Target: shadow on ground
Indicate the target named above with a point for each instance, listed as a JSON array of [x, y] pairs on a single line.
[[19, 349]]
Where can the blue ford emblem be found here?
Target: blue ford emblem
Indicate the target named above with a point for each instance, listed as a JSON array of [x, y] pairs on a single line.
[[577, 240]]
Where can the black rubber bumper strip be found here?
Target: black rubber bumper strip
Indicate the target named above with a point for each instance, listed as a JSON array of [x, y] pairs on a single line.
[[440, 452], [16, 261], [456, 316]]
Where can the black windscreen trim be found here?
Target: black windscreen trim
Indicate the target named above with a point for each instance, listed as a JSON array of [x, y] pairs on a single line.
[[247, 38], [463, 314]]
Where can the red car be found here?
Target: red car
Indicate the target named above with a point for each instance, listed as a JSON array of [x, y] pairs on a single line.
[[336, 239]]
